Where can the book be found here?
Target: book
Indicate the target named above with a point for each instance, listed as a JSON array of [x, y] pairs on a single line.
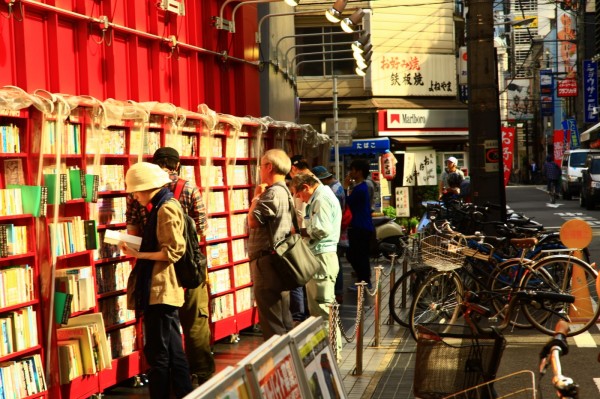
[[3, 240], [91, 234], [104, 353], [115, 237], [62, 307], [31, 198], [70, 360], [92, 183], [57, 188], [77, 183], [86, 345], [13, 172]]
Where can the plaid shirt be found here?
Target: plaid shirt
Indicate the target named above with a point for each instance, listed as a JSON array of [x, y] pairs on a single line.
[[190, 200]]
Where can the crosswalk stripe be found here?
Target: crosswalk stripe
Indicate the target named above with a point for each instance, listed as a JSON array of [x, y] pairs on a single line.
[[585, 340]]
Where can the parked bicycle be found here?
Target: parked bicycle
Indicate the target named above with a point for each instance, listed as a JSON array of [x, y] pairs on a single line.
[[439, 297], [550, 355]]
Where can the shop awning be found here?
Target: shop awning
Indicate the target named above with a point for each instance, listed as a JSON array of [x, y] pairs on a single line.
[[368, 105]]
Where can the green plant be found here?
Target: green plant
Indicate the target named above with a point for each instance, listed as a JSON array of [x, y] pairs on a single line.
[[389, 211]]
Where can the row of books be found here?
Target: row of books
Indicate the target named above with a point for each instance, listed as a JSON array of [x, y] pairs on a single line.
[[239, 148], [69, 184], [239, 200], [18, 330], [69, 141], [122, 341], [239, 249], [16, 285], [244, 299], [82, 347], [33, 199], [215, 202], [111, 177], [10, 140], [239, 224], [22, 378], [13, 240], [221, 307], [112, 276], [241, 274], [219, 281], [184, 144], [105, 141], [72, 234], [111, 210], [114, 310], [217, 254], [11, 202], [79, 282], [216, 228], [148, 146]]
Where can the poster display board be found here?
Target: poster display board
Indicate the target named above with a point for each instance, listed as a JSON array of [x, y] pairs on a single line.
[[314, 355], [272, 371], [229, 383]]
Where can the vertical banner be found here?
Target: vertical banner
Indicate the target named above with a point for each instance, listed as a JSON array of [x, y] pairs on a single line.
[[567, 47], [571, 134], [559, 144], [402, 202], [546, 92], [590, 88], [508, 143]]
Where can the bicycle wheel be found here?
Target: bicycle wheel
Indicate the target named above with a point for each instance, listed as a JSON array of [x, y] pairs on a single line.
[[567, 275], [436, 301], [505, 279], [412, 280]]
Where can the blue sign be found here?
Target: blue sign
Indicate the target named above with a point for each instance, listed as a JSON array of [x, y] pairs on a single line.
[[571, 133], [590, 87], [366, 146], [546, 92]]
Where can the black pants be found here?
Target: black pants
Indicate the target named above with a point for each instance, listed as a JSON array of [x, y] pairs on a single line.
[[272, 303], [358, 253], [164, 353]]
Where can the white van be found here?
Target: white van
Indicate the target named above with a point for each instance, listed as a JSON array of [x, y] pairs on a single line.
[[572, 163]]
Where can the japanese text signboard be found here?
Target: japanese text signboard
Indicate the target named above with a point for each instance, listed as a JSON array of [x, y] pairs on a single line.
[[590, 88], [414, 74]]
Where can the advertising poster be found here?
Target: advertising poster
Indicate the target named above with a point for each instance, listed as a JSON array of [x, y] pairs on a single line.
[[318, 360], [520, 100], [273, 371], [559, 148]]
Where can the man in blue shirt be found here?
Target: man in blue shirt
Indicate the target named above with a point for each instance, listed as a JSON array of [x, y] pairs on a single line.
[[361, 230], [322, 221]]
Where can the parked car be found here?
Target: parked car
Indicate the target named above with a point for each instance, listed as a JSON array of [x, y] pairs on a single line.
[[590, 182], [572, 163]]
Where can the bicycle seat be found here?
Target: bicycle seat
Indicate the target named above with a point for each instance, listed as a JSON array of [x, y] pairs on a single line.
[[524, 242]]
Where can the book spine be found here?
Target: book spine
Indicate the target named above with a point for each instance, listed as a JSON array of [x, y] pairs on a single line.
[[3, 240], [63, 188], [44, 201]]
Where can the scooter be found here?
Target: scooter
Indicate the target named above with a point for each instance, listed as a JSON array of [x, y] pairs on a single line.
[[390, 238]]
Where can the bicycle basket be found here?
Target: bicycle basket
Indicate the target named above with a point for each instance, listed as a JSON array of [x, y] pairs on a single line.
[[518, 385], [443, 253], [450, 358]]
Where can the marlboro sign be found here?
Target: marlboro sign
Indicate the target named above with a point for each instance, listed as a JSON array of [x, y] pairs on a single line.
[[567, 88]]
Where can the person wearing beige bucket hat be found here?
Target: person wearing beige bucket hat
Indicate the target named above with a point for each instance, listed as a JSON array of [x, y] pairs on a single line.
[[153, 287]]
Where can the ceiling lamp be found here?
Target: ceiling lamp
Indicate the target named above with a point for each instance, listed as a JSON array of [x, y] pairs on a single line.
[[334, 14], [358, 45], [292, 3], [348, 24]]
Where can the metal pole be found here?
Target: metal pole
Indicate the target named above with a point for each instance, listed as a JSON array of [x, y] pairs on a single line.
[[390, 320], [377, 340], [360, 329], [336, 137]]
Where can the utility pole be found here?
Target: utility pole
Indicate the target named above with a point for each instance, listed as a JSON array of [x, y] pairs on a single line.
[[485, 137]]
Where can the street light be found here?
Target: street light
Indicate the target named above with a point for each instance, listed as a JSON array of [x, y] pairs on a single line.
[[349, 23], [334, 14], [222, 23]]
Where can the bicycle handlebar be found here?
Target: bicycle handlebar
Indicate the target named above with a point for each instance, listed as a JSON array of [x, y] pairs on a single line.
[[565, 387]]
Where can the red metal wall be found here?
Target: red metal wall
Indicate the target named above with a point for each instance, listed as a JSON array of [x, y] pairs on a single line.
[[55, 46]]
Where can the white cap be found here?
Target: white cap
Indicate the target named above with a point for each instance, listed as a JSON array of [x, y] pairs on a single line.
[[453, 160]]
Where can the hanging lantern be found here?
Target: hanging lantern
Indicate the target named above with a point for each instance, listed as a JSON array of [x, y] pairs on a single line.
[[388, 165]]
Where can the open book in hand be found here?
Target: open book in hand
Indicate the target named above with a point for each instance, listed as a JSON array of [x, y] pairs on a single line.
[[116, 237]]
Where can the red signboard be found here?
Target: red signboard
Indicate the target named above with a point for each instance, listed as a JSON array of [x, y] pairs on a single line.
[[567, 88], [508, 140]]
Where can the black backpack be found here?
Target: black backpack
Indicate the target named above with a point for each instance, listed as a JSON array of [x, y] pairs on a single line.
[[191, 267]]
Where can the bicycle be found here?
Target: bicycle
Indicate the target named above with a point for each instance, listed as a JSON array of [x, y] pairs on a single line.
[[439, 297], [550, 355]]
